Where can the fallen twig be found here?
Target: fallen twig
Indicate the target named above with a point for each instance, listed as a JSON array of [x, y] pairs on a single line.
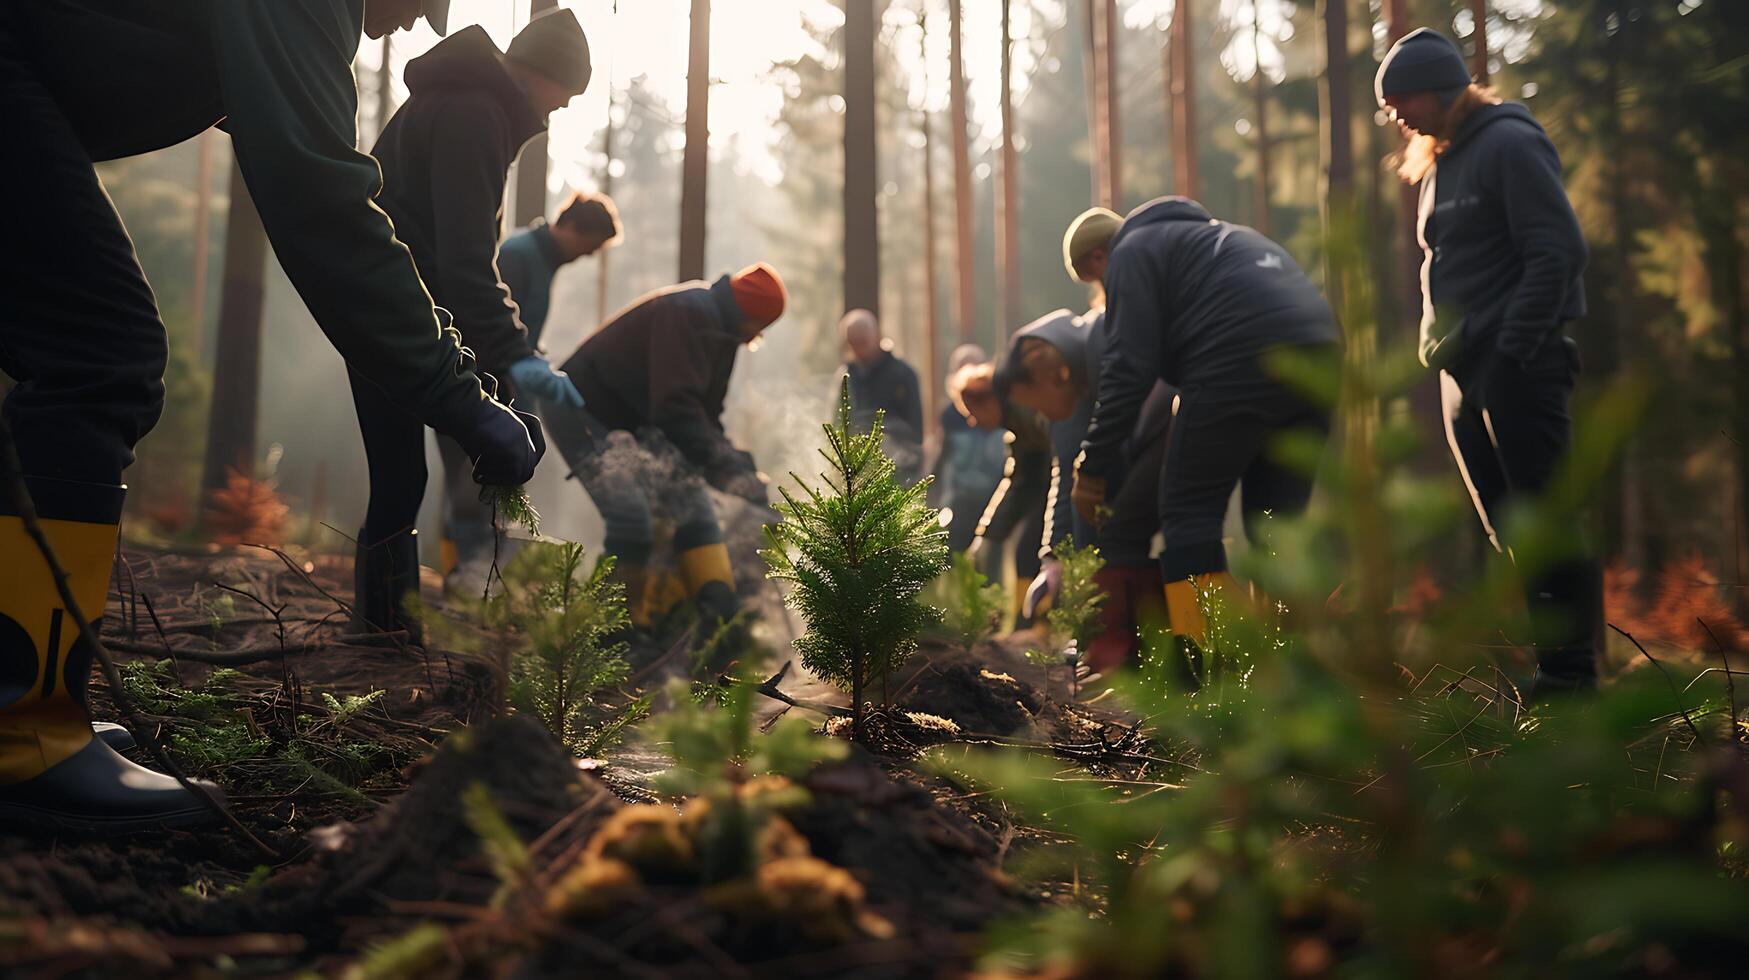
[[1674, 693]]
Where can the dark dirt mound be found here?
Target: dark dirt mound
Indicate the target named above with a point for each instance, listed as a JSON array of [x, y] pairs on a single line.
[[926, 867], [420, 847], [978, 699]]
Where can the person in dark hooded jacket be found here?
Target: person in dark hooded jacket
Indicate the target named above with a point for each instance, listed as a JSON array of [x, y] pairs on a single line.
[[650, 435], [81, 337], [446, 155], [1502, 261], [1203, 305]]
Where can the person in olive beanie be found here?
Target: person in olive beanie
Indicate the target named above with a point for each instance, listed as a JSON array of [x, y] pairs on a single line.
[[445, 157], [82, 338], [1503, 256]]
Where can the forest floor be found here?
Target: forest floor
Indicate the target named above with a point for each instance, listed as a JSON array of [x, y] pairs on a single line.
[[328, 746]]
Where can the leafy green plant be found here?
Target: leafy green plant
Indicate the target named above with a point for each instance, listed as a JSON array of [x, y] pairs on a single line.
[[857, 552], [569, 620], [971, 604], [717, 753]]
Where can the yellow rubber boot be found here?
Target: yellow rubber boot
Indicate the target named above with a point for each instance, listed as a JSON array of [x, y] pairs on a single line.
[[663, 590], [55, 776], [1184, 611], [710, 582]]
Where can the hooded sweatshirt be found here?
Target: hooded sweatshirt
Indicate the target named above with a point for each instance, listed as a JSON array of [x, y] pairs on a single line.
[[1082, 341], [665, 361], [1502, 250], [445, 156], [136, 77], [1188, 300]]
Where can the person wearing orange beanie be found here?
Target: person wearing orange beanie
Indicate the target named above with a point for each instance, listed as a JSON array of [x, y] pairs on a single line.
[[649, 438]]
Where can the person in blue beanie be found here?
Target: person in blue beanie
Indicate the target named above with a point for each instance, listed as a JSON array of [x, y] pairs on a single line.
[[1501, 280]]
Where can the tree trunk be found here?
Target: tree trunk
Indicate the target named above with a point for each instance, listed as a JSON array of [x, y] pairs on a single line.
[[230, 441], [862, 247], [1260, 101], [932, 380], [1337, 126], [1185, 178], [203, 211], [965, 298], [1008, 202], [1479, 11], [1622, 513], [696, 161], [531, 166], [601, 258], [1112, 108], [1093, 82]]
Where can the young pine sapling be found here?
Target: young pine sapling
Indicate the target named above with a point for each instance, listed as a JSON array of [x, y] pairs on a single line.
[[569, 618], [858, 552]]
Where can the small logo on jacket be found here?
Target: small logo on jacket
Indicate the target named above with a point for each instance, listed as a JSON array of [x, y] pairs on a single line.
[[1269, 261]]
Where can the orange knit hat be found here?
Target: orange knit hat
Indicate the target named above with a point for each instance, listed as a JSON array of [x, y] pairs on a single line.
[[760, 293]]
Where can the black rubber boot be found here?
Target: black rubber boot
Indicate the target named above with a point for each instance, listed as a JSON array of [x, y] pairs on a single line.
[[56, 774], [113, 735], [385, 576]]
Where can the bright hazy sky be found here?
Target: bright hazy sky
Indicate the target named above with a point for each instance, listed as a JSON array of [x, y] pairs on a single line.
[[649, 37]]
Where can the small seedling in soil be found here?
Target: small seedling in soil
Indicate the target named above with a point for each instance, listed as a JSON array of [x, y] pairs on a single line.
[[511, 507], [857, 551], [971, 604], [1074, 616]]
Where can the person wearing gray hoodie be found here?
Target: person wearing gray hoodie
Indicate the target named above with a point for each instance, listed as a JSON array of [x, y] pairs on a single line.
[[1503, 256]]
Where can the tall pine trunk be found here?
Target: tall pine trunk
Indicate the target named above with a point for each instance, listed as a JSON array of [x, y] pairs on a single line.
[[862, 251], [1260, 103], [230, 441], [1008, 201], [601, 258], [931, 323], [1186, 179], [1337, 125], [965, 298], [696, 160]]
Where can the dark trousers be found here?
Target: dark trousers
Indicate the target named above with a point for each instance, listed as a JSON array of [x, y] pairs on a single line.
[[1127, 535], [1509, 439], [394, 448], [1223, 435], [79, 327]]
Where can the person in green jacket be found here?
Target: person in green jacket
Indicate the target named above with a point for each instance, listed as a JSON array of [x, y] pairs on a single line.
[[81, 337]]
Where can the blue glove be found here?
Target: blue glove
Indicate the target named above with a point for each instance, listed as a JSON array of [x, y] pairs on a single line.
[[535, 377]]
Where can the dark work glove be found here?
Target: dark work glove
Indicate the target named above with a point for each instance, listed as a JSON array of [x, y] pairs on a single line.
[[504, 444]]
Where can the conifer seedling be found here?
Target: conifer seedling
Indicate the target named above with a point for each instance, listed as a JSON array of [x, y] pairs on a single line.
[[857, 550]]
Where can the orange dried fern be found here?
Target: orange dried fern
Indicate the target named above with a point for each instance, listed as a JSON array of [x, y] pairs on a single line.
[[245, 511]]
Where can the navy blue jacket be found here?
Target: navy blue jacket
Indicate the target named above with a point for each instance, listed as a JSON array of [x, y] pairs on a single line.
[[1189, 299], [1502, 250]]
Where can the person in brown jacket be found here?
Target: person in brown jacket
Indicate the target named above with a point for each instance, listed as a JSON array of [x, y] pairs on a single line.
[[649, 436]]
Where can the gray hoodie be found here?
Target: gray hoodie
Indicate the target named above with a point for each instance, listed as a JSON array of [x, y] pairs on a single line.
[[1502, 249]]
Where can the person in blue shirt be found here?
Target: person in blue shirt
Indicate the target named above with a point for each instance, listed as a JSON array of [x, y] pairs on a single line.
[[528, 262]]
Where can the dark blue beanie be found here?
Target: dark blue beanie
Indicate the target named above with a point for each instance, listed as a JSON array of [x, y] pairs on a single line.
[[1421, 61]]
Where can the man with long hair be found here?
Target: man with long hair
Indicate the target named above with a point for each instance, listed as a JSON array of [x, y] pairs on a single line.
[[1500, 280]]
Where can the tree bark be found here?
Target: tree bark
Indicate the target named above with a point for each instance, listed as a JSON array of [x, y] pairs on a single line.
[[531, 166], [602, 281], [1008, 202], [1185, 176], [696, 160], [1260, 102], [932, 379], [1113, 109], [230, 441], [965, 298], [1479, 12], [862, 249], [203, 211]]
